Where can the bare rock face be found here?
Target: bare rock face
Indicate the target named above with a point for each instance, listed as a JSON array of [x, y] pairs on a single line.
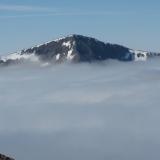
[[3, 157]]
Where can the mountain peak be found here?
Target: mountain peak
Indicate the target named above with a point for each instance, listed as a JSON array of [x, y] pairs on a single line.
[[76, 48]]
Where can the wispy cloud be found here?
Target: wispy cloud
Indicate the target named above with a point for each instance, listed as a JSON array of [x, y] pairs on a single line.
[[25, 11], [40, 11], [62, 13], [25, 8]]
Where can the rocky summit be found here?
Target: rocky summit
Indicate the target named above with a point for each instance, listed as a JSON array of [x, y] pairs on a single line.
[[76, 48]]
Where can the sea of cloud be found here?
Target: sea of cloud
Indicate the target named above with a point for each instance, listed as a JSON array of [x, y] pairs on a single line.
[[106, 111]]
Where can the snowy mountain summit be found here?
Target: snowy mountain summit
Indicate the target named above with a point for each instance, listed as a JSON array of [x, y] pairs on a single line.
[[75, 48]]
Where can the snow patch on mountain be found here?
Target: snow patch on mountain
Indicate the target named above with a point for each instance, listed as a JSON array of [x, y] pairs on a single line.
[[57, 57], [62, 38], [18, 56], [67, 44], [70, 55], [139, 55]]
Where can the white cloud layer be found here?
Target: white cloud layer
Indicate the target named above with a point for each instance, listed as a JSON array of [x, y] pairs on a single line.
[[83, 111]]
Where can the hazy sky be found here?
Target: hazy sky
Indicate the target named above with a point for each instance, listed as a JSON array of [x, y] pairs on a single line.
[[24, 23]]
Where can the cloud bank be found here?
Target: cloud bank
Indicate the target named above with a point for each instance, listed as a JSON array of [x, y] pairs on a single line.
[[83, 111]]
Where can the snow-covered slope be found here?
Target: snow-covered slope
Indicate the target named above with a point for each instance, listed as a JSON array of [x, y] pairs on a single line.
[[142, 55], [19, 56], [76, 48]]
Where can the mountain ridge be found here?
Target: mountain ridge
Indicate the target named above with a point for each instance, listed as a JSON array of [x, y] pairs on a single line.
[[75, 48]]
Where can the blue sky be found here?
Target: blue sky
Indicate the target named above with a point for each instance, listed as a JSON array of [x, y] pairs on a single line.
[[24, 23]]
